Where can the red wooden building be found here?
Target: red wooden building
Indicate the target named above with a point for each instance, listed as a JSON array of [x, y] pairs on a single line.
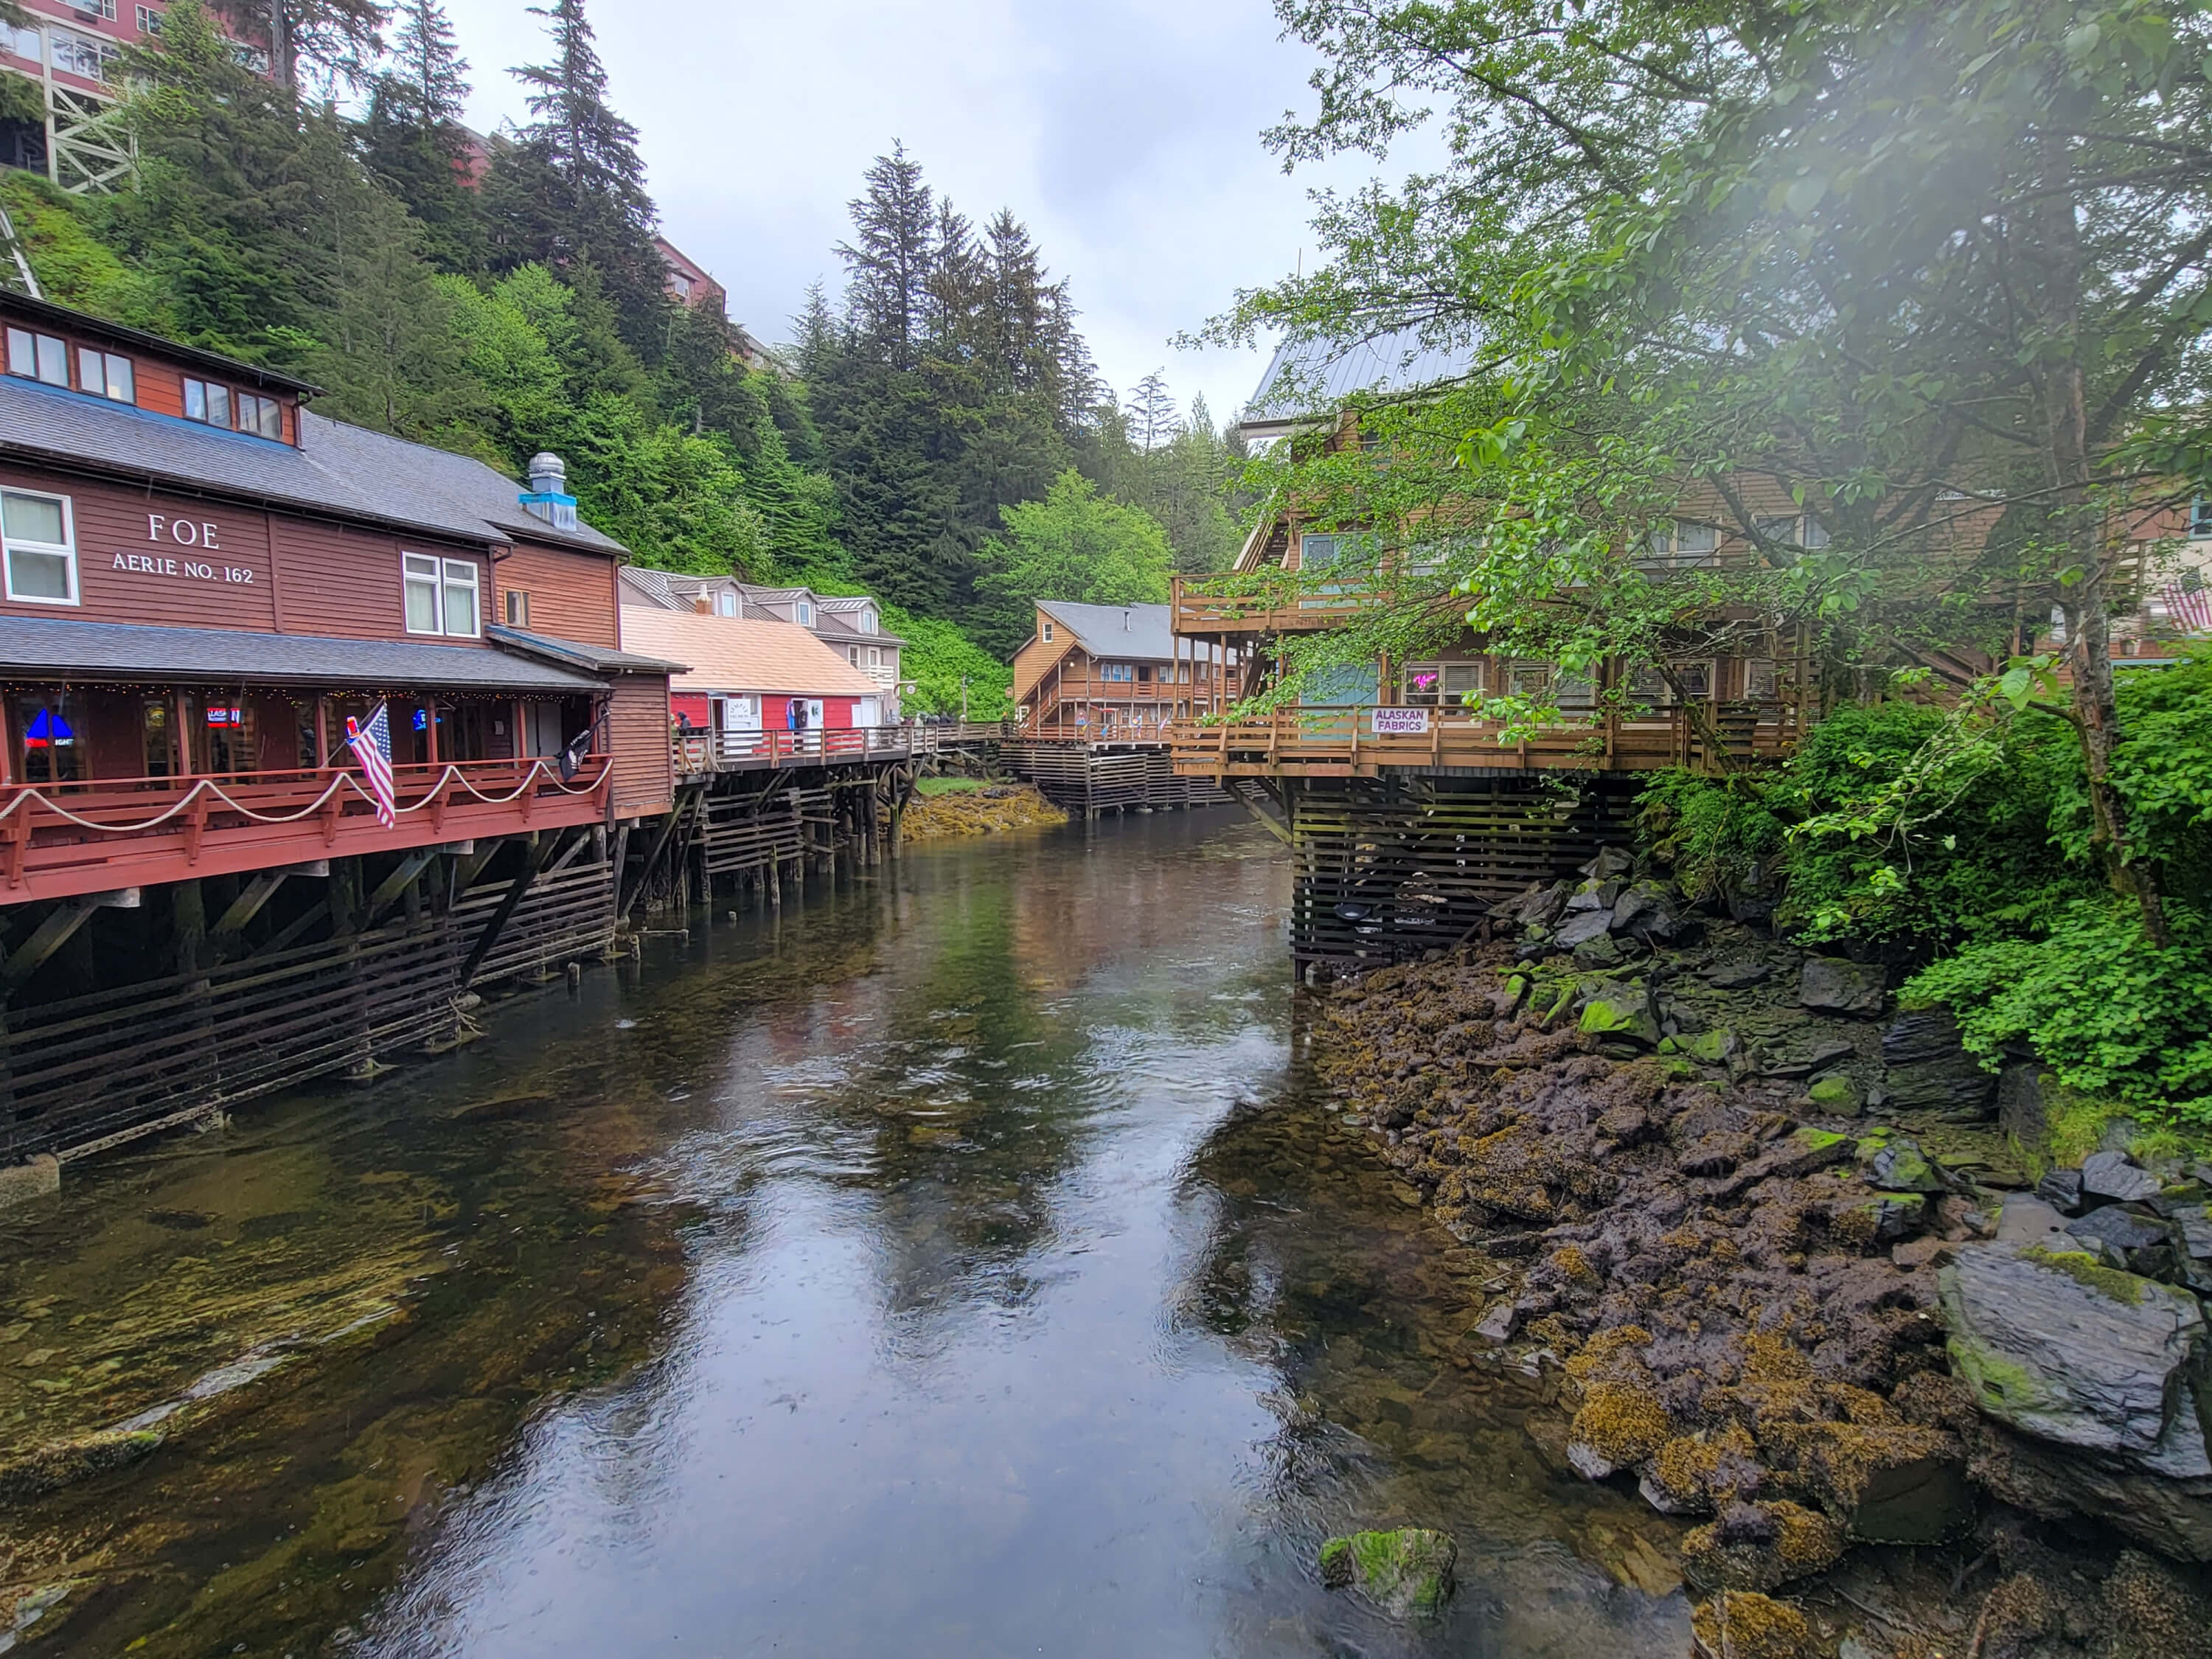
[[201, 581]]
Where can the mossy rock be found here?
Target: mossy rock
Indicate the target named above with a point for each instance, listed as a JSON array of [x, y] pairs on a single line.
[[1837, 1092], [1407, 1573], [1709, 1047], [1745, 1625], [1758, 1546], [61, 1463], [1620, 1016]]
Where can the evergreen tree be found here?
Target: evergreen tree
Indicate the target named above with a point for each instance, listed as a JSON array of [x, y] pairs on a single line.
[[332, 42], [412, 136], [568, 189], [891, 259], [1152, 412]]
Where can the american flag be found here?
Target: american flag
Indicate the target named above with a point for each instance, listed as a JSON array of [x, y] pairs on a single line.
[[2189, 602], [372, 747]]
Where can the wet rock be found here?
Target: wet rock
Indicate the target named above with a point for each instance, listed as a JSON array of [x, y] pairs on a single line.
[[1837, 1092], [1405, 1573], [1918, 1253], [1582, 928], [1646, 911], [1831, 985], [1801, 1153], [1709, 1048], [1498, 1324], [2066, 1352], [1761, 1546], [1887, 1482], [2061, 1189], [2024, 1220], [1621, 1014], [48, 1468], [1745, 1625], [1880, 1220], [1619, 1426], [1738, 975], [1610, 863], [1596, 955], [1897, 1164], [2127, 1228], [2115, 1178], [1927, 1069], [1540, 906]]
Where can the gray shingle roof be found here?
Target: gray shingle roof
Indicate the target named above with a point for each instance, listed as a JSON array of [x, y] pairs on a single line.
[[1140, 633], [123, 651], [577, 653], [1309, 378], [346, 470]]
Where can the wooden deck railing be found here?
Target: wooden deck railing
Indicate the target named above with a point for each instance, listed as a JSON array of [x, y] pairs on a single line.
[[697, 752], [60, 840], [1343, 743], [1201, 605]]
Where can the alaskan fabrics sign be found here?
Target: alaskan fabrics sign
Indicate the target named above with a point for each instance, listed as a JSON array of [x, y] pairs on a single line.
[[1401, 722]]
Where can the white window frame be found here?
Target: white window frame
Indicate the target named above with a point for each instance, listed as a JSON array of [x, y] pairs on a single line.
[[1443, 695], [867, 621], [725, 603], [421, 570], [805, 613], [1046, 633], [14, 40], [150, 20], [472, 582], [65, 549], [1662, 544], [1329, 544], [875, 656], [518, 608]]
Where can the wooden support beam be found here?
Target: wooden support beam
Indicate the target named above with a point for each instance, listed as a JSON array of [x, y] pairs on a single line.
[[48, 937], [248, 904], [389, 890], [530, 870]]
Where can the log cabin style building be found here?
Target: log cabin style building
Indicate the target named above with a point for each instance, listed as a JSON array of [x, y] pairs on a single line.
[[1407, 814], [1112, 673], [202, 581]]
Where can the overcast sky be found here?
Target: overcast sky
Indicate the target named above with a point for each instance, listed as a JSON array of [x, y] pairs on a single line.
[[1124, 132]]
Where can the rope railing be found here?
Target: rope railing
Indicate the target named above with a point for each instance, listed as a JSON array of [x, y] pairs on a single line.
[[24, 797]]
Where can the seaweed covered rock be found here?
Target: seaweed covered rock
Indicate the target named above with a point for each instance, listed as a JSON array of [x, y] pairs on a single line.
[[1405, 1573], [1761, 1546], [1745, 1625]]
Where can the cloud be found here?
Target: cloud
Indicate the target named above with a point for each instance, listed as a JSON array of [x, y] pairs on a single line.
[[1124, 132]]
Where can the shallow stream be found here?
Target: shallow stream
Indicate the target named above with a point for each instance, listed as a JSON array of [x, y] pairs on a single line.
[[957, 1263]]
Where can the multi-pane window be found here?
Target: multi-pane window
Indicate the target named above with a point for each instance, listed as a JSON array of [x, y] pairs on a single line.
[[2200, 514], [1117, 671], [83, 54], [875, 656], [1648, 687], [40, 547], [38, 356], [1762, 682], [1046, 633], [150, 20], [103, 10], [1320, 552], [106, 374], [1806, 531], [23, 40], [440, 594], [518, 608], [1681, 543], [206, 401], [263, 417], [1442, 684]]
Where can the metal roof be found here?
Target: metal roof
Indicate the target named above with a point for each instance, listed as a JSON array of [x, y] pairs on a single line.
[[1307, 379], [59, 648], [1140, 632], [337, 469]]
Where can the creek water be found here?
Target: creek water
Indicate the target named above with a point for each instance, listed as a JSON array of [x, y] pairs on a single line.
[[957, 1263]]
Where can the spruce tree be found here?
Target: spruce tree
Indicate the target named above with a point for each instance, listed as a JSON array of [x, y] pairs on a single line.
[[412, 136], [1152, 412], [891, 260], [570, 188]]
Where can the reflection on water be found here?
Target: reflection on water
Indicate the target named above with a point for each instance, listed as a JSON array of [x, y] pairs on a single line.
[[953, 1265]]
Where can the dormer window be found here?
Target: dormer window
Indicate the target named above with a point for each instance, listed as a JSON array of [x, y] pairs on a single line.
[[805, 614], [106, 374], [38, 356], [725, 603], [867, 621], [263, 417], [207, 402]]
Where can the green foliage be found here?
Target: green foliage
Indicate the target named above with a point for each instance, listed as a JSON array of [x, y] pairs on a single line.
[[1718, 835], [1073, 544], [2111, 1013], [75, 266], [938, 658]]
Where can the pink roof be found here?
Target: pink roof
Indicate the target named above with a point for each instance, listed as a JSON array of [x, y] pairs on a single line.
[[733, 653]]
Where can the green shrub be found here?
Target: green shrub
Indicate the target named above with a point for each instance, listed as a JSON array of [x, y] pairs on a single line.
[[2109, 1012], [1717, 835]]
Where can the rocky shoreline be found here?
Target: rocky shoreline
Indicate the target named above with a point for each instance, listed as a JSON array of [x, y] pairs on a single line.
[[1772, 1241], [988, 809]]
